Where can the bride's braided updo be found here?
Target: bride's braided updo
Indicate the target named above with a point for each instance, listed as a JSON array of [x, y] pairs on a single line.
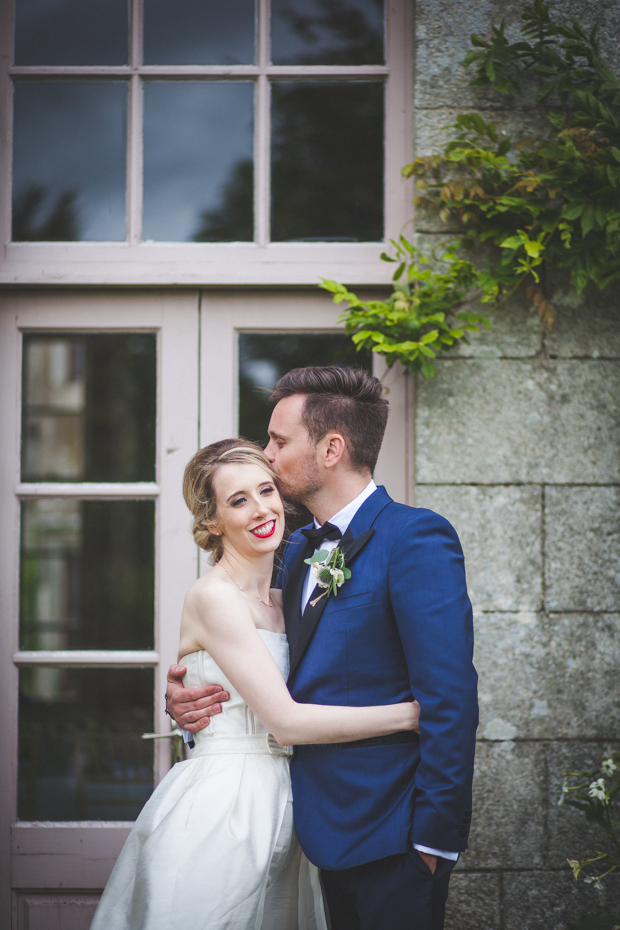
[[198, 490]]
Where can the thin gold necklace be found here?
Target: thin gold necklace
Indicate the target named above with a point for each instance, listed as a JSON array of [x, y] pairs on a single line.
[[258, 598]]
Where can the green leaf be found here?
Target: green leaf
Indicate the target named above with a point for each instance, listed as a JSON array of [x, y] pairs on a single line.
[[513, 242], [347, 573], [429, 337], [543, 92], [573, 211], [387, 258], [587, 220], [615, 152], [489, 69], [319, 556], [398, 271]]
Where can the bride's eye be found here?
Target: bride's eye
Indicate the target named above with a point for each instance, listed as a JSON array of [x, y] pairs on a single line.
[[239, 500], [268, 490]]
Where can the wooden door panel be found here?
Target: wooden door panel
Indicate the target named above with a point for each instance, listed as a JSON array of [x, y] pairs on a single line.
[[54, 911], [71, 856]]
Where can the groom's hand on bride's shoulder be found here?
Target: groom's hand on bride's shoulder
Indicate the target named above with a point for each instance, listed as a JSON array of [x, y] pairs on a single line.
[[192, 707]]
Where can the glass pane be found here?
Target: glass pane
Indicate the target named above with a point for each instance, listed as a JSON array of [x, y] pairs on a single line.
[[265, 357], [199, 32], [69, 160], [87, 574], [71, 32], [89, 407], [327, 161], [81, 756], [327, 32], [198, 161]]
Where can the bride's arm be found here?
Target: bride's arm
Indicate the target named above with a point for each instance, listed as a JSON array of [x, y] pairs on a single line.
[[223, 625]]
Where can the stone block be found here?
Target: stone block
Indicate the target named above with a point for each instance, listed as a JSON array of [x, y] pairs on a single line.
[[507, 823], [586, 326], [442, 29], [547, 677], [582, 548], [551, 900], [499, 528], [432, 132], [473, 903], [503, 421], [570, 835]]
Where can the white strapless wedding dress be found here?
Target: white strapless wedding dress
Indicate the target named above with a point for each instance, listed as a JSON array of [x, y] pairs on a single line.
[[214, 847]]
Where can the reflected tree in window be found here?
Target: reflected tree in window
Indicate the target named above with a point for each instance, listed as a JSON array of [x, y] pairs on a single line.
[[233, 221], [36, 219], [327, 140]]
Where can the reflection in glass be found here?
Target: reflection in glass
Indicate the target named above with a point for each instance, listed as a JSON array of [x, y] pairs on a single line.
[[69, 160], [81, 756], [199, 32], [327, 161], [89, 407], [327, 32], [71, 32], [87, 574], [198, 136], [265, 357]]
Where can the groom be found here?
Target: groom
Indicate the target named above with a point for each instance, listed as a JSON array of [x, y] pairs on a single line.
[[383, 818]]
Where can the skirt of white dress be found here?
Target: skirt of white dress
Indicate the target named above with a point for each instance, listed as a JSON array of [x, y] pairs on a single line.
[[215, 849]]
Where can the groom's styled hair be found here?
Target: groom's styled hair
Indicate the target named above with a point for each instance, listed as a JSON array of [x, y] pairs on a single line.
[[347, 400]]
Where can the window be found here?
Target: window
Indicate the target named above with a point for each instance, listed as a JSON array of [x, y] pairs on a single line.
[[205, 142]]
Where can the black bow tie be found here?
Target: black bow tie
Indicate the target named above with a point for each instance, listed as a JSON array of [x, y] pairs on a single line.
[[327, 531]]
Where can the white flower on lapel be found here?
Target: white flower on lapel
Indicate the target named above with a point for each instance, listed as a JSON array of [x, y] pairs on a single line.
[[330, 571]]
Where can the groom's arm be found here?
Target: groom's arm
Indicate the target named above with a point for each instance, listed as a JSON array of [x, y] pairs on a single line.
[[433, 613]]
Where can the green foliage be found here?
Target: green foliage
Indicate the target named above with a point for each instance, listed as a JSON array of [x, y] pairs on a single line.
[[595, 797], [424, 314], [531, 203], [552, 200]]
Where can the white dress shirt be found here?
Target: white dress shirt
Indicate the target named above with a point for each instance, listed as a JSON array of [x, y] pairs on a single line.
[[342, 520]]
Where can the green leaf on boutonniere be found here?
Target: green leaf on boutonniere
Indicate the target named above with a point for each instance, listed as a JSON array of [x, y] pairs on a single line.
[[329, 570]]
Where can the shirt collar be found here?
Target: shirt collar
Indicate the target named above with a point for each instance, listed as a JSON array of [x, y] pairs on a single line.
[[343, 518]]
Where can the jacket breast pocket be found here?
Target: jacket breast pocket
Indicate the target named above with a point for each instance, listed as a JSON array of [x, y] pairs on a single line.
[[351, 601]]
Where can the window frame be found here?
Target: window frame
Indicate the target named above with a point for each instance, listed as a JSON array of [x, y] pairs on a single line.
[[189, 263]]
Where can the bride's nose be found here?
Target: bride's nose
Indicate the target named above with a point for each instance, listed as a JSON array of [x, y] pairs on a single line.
[[260, 507]]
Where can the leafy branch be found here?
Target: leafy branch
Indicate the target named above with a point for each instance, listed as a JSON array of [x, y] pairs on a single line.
[[527, 204], [425, 312], [594, 796]]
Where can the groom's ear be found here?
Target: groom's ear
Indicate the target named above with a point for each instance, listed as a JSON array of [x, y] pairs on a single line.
[[332, 449]]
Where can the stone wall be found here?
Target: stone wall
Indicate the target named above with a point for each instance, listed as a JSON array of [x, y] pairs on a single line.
[[517, 444]]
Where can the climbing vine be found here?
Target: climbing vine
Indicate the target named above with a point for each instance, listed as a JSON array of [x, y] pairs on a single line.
[[526, 204]]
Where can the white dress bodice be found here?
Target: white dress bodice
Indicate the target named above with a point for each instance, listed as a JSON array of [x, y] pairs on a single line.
[[236, 719]]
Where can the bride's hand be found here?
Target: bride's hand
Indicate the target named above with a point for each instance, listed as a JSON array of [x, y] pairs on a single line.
[[415, 708]]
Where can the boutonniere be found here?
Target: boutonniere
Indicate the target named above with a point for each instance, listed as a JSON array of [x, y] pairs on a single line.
[[330, 571]]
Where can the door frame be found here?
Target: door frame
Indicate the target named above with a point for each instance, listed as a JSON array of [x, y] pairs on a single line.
[[31, 861]]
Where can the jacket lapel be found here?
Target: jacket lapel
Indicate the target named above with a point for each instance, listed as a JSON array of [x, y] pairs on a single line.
[[293, 590], [307, 624]]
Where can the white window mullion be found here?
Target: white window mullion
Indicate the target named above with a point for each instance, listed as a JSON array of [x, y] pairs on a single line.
[[87, 658], [109, 490], [134, 128], [262, 192], [398, 117]]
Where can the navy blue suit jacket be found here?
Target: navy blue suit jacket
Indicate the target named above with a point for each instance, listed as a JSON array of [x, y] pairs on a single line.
[[401, 626]]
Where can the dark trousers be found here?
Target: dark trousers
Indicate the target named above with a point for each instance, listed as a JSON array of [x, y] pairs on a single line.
[[395, 893]]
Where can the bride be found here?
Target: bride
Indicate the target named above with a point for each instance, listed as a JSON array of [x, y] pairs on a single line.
[[215, 848]]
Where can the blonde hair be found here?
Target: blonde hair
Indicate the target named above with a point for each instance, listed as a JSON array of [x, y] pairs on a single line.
[[198, 490]]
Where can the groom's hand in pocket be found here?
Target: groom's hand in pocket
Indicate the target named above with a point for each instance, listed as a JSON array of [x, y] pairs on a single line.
[[192, 708]]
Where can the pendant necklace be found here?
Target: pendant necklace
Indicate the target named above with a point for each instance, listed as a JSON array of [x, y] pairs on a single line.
[[258, 598]]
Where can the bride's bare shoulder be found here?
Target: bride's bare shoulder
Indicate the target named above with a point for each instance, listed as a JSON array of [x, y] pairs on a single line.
[[210, 590]]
